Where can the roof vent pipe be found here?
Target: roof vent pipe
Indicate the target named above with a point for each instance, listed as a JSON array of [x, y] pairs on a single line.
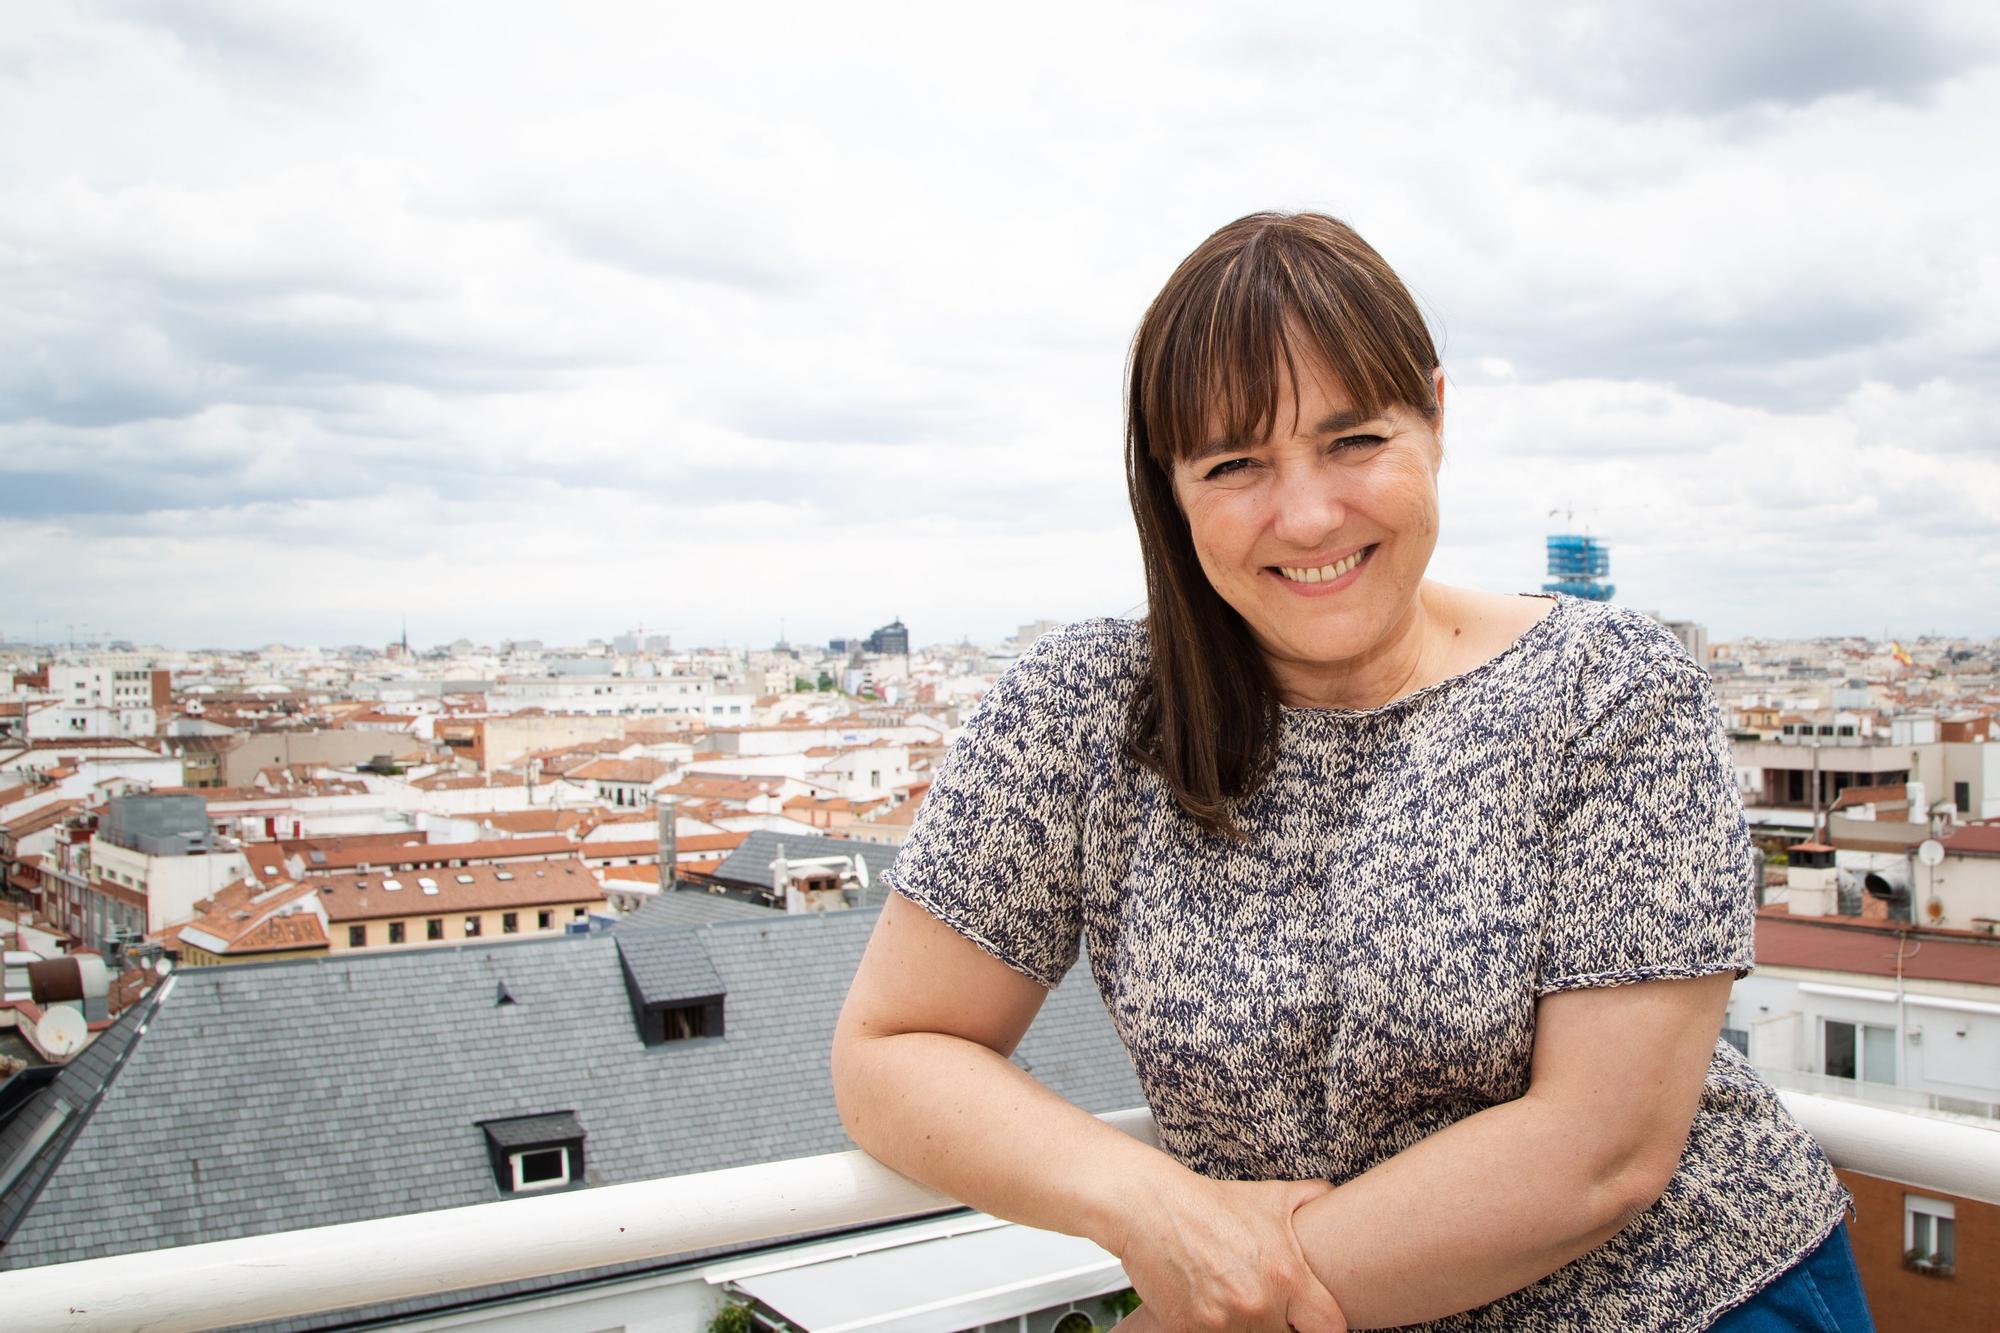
[[80, 979]]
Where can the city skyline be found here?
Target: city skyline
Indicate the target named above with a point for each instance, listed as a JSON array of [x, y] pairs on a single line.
[[711, 318]]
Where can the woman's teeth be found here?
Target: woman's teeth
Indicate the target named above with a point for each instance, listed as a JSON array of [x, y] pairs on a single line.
[[1323, 573]]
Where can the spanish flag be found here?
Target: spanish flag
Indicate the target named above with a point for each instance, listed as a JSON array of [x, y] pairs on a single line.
[[1897, 651]]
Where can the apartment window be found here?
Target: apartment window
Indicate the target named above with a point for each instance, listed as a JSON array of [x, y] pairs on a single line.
[[471, 926], [434, 928], [577, 914], [1737, 1037], [1961, 796], [357, 937], [1865, 1051], [395, 932], [1929, 1233], [510, 923], [541, 1169], [536, 1152], [545, 920]]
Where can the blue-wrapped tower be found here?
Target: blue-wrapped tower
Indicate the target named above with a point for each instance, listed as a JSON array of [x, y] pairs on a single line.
[[1577, 566]]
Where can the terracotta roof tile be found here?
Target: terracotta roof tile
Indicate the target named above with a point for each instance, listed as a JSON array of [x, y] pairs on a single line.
[[471, 889], [535, 821], [711, 787], [601, 851], [1973, 840], [439, 854], [620, 770], [1837, 945]]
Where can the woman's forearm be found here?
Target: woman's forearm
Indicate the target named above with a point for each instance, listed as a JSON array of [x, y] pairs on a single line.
[[963, 1119], [1477, 1210]]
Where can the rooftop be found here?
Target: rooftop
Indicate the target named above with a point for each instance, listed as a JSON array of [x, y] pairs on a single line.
[[1973, 840], [383, 893], [319, 1121], [1874, 949]]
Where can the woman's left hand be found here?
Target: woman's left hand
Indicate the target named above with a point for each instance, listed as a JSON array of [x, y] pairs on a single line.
[[1211, 1256]]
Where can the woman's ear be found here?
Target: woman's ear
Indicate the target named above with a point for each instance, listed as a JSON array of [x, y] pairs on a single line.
[[1437, 421]]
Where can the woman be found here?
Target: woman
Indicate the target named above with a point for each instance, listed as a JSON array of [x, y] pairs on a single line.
[[1417, 907]]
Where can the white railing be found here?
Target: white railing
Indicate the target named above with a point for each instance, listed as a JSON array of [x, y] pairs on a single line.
[[1986, 1113], [293, 1273]]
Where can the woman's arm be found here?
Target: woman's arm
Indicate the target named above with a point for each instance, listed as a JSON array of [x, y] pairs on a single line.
[[1507, 1196], [922, 1079]]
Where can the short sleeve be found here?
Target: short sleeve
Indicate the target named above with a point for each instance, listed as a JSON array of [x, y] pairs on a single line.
[[996, 851], [1654, 874]]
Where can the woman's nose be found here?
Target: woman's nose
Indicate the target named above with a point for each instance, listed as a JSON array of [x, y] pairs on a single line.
[[1307, 507]]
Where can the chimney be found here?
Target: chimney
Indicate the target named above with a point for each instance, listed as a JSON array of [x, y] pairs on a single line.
[[669, 842]]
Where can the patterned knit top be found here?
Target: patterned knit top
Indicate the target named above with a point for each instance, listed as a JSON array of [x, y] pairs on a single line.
[[1362, 969]]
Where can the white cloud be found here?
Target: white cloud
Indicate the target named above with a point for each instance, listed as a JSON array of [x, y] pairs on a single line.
[[709, 318]]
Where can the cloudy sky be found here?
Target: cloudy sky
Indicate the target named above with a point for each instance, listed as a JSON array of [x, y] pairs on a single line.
[[553, 321]]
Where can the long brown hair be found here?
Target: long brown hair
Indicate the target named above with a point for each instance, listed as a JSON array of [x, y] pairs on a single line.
[[1267, 289]]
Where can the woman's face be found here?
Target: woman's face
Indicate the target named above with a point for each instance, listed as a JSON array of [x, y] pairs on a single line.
[[1320, 534]]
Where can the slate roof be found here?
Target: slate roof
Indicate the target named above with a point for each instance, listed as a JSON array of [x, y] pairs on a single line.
[[670, 966], [751, 863], [275, 1096], [528, 1131], [46, 1122], [693, 907]]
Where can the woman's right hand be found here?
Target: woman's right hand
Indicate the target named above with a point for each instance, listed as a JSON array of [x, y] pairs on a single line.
[[1219, 1256]]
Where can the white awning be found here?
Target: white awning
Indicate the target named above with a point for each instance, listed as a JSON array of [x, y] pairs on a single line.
[[932, 1277]]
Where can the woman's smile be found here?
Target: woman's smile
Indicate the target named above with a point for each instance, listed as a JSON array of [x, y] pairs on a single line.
[[1320, 579]]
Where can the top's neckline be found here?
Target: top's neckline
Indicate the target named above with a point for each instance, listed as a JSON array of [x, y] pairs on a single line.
[[1416, 696]]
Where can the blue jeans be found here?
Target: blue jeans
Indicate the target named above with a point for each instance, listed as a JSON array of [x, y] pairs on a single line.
[[1821, 1293]]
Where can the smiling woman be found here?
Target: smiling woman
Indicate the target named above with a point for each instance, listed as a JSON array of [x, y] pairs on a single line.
[[1284, 439], [1416, 906]]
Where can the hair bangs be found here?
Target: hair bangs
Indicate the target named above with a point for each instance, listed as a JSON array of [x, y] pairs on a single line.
[[1280, 296]]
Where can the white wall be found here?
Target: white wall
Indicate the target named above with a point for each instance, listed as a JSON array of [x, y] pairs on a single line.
[[1977, 763], [1966, 887], [172, 884], [1941, 1050]]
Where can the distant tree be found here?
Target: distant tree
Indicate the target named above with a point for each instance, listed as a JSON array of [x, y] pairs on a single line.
[[733, 1318], [800, 684], [825, 681]]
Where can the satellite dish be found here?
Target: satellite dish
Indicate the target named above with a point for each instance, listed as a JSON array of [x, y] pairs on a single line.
[[1930, 851], [164, 966], [62, 1030]]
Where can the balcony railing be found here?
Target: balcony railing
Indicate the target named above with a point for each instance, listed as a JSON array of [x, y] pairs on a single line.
[[295, 1273]]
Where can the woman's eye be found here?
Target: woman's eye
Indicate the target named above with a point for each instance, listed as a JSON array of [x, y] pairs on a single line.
[[1226, 468], [1357, 441]]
